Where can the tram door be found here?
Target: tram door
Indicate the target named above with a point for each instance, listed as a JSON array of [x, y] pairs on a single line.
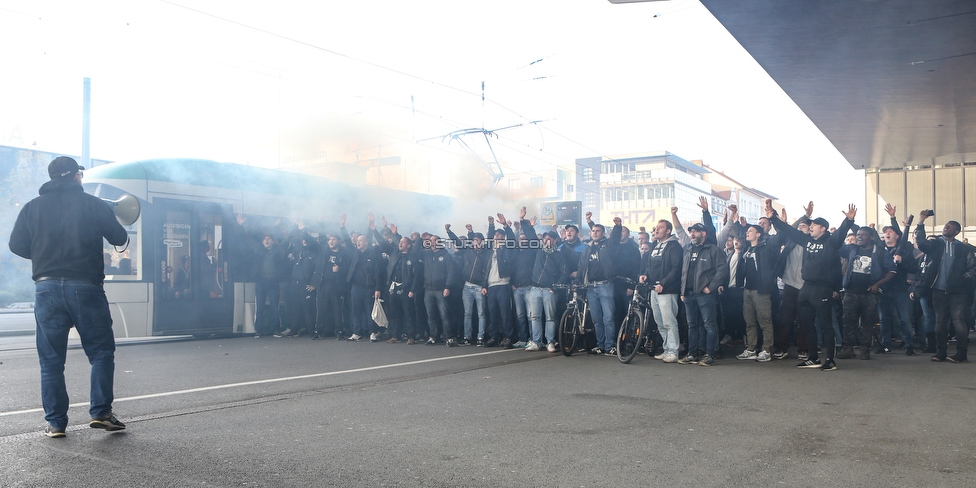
[[191, 296]]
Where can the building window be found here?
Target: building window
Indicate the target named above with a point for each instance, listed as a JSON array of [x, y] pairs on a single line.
[[536, 182], [514, 184], [588, 176], [569, 188], [591, 200]]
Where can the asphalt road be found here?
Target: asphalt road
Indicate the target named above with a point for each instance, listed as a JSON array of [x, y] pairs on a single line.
[[295, 412]]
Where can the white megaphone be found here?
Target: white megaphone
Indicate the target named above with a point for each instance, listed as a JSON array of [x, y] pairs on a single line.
[[126, 208]]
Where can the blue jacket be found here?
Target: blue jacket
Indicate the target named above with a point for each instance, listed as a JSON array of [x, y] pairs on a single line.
[[881, 264]]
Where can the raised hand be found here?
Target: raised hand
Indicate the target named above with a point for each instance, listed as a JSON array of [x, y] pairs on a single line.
[[469, 227], [725, 217], [532, 221], [342, 220], [769, 208], [447, 227], [851, 211], [674, 211], [809, 209], [491, 220], [890, 209], [301, 224], [643, 229], [240, 219], [371, 220], [393, 228], [501, 220], [383, 220], [703, 203], [742, 221], [782, 215], [589, 216], [616, 221], [522, 214]]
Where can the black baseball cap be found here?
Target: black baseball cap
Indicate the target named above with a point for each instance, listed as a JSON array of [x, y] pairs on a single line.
[[63, 166], [698, 227]]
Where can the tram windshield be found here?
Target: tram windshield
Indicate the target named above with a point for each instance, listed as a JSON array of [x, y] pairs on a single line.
[[121, 262]]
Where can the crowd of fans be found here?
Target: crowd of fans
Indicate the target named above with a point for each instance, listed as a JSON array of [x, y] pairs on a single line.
[[767, 286]]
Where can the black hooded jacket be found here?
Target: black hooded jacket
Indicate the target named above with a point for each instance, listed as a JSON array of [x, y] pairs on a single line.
[[61, 232]]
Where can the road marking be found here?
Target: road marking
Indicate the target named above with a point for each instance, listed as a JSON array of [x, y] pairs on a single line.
[[269, 380]]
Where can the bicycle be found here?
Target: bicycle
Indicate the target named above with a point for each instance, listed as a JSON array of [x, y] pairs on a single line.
[[573, 322], [633, 330]]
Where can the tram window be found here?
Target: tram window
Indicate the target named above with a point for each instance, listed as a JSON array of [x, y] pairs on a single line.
[[178, 265], [211, 260], [123, 263]]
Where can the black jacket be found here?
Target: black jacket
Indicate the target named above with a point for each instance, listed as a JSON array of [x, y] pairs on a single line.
[[61, 232], [663, 266], [505, 255], [438, 270], [963, 274], [821, 258], [596, 262], [327, 258], [711, 268], [364, 268], [525, 257], [473, 261], [766, 259]]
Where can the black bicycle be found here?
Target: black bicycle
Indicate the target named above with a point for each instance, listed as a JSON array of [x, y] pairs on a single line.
[[633, 330], [574, 322]]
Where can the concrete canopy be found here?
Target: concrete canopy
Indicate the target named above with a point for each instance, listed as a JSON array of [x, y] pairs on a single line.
[[890, 83]]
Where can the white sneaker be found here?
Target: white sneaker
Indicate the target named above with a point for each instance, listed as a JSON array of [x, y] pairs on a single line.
[[747, 354], [374, 337], [725, 340], [355, 337], [532, 346], [670, 358], [764, 357], [660, 356], [551, 347]]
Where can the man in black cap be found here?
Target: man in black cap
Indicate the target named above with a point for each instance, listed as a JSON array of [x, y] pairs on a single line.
[[821, 274], [61, 232]]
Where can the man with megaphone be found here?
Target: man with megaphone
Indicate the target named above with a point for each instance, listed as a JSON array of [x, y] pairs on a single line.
[[61, 232]]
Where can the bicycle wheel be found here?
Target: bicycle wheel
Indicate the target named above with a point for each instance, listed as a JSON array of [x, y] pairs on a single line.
[[568, 332], [630, 337]]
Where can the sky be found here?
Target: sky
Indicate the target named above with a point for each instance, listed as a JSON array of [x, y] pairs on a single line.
[[278, 84]]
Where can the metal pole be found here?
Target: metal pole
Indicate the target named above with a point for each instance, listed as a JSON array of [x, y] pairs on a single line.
[[86, 126]]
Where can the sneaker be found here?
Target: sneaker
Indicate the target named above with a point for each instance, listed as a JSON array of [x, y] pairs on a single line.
[[803, 355], [315, 337], [939, 359], [725, 340], [611, 352], [660, 356], [481, 343], [764, 357], [466, 342], [431, 341], [670, 358], [909, 351], [277, 334], [52, 431], [846, 353], [520, 344], [491, 343], [284, 333], [506, 343], [828, 365], [374, 337], [747, 354], [532, 346], [809, 364], [956, 358], [392, 340], [882, 350], [109, 423], [596, 350], [451, 343], [411, 341], [707, 360], [355, 338], [780, 355], [257, 336], [551, 347], [689, 359]]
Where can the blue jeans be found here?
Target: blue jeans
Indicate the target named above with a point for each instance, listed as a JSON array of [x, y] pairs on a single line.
[[702, 311], [896, 307], [436, 305], [269, 290], [520, 296], [542, 300], [59, 305], [665, 310], [500, 306], [928, 314], [362, 310], [600, 298], [471, 296]]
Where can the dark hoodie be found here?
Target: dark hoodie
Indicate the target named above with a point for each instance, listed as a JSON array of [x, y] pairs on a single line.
[[821, 257], [61, 232]]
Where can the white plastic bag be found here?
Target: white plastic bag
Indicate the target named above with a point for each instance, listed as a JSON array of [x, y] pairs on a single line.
[[379, 315]]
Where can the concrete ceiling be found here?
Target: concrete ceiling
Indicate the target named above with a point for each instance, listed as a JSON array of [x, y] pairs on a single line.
[[891, 83]]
